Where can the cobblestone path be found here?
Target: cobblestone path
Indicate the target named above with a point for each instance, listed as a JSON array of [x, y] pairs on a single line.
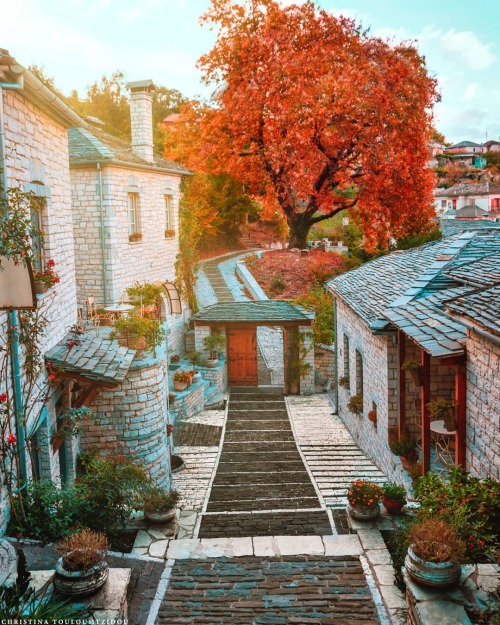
[[263, 591], [219, 285], [261, 486]]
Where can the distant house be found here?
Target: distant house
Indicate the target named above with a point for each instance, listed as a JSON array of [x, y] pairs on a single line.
[[395, 309], [465, 147], [491, 146], [483, 195]]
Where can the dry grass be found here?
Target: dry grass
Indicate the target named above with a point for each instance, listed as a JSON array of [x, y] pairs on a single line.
[[83, 550], [433, 540]]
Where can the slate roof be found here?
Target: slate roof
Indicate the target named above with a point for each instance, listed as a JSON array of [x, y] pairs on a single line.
[[481, 308], [449, 227], [371, 288], [470, 188], [465, 144], [98, 359], [484, 272], [472, 210], [90, 144], [265, 311]]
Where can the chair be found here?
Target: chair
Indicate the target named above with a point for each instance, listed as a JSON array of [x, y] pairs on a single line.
[[92, 317]]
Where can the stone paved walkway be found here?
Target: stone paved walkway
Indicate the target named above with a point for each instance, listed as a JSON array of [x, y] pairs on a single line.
[[261, 486], [264, 591]]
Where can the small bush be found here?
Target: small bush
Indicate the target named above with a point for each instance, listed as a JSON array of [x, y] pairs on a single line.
[[433, 540], [394, 492], [278, 285], [406, 447], [157, 499], [83, 550]]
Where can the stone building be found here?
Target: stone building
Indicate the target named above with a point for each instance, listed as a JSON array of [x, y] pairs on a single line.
[[395, 309], [34, 156], [125, 210]]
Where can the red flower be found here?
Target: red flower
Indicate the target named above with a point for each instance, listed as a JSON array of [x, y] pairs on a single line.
[[52, 376], [50, 262], [11, 439], [3, 398], [170, 429]]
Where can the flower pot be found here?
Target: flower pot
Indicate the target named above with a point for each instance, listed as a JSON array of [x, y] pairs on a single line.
[[41, 288], [416, 376], [180, 386], [137, 343], [394, 508], [449, 420], [160, 517], [363, 514], [212, 362], [80, 584], [294, 388], [196, 377], [406, 463], [434, 574]]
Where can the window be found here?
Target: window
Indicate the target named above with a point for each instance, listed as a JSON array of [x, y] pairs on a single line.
[[133, 214], [495, 204], [470, 201], [346, 357], [443, 203], [454, 204], [359, 373], [169, 218], [36, 236]]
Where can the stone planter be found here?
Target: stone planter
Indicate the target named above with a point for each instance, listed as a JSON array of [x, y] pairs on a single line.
[[41, 288], [436, 575], [160, 517], [212, 362], [196, 377], [80, 584], [394, 508], [363, 514], [180, 386]]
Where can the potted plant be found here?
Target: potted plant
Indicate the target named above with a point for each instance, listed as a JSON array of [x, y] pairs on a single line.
[[415, 472], [393, 498], [169, 234], [297, 368], [363, 498], [355, 404], [197, 360], [135, 238], [181, 380], [344, 382], [443, 409], [434, 554], [415, 370], [159, 504], [406, 449], [175, 358], [46, 279], [146, 294], [213, 343], [81, 570], [138, 333], [372, 416]]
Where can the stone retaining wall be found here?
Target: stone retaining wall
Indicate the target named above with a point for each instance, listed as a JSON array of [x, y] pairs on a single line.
[[191, 401]]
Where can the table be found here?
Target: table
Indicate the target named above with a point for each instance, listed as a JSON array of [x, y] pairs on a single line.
[[119, 309], [443, 439]]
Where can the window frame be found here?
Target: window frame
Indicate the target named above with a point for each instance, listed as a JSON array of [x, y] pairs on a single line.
[[169, 215], [347, 358], [133, 209]]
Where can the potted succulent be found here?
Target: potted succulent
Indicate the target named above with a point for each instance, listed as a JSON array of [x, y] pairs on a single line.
[[81, 570], [434, 554], [45, 279], [355, 404], [363, 498], [406, 449], [159, 504], [181, 380], [213, 343], [415, 370], [344, 382], [393, 498], [443, 409]]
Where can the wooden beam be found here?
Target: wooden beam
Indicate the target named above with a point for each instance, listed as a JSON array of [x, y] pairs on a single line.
[[87, 396], [401, 384], [460, 413], [80, 378], [425, 398]]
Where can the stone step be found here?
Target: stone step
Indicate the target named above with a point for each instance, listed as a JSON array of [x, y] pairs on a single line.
[[286, 503], [243, 436], [245, 467], [256, 414], [260, 426], [284, 477]]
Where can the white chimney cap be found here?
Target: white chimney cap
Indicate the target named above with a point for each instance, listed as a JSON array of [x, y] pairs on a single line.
[[141, 85]]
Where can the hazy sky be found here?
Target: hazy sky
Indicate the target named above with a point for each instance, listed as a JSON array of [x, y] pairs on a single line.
[[79, 40]]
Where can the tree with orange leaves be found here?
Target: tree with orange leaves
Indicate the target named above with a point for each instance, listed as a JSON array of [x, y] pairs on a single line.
[[315, 117]]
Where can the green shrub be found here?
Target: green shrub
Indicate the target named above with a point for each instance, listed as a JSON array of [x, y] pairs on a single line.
[[278, 285], [319, 300]]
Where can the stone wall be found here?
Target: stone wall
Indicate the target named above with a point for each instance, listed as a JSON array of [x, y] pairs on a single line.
[[324, 360], [134, 417], [37, 161], [216, 375], [483, 406], [191, 401], [379, 355]]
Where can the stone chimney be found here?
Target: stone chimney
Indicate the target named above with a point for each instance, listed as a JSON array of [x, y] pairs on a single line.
[[141, 117]]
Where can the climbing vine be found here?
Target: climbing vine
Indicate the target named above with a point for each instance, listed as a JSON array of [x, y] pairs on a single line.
[[187, 261]]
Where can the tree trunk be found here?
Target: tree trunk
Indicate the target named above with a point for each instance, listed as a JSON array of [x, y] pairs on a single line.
[[299, 229]]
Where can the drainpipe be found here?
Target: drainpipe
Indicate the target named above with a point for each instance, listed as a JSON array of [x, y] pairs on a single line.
[[103, 251], [13, 322]]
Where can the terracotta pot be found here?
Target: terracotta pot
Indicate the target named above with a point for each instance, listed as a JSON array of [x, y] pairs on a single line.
[[180, 386], [416, 376], [394, 508], [449, 420], [294, 388], [160, 517], [133, 343], [41, 288], [406, 463], [363, 514], [436, 575], [80, 584]]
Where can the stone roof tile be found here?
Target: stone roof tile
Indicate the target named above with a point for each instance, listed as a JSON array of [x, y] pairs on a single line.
[[480, 307], [265, 311]]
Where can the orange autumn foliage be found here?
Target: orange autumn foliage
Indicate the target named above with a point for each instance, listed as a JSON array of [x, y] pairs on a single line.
[[316, 116]]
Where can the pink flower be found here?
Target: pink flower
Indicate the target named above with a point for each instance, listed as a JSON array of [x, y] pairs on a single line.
[[11, 439]]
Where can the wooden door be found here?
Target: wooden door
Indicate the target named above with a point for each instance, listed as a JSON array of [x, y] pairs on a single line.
[[242, 357]]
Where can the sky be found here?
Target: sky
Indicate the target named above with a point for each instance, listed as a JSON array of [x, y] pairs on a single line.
[[77, 41]]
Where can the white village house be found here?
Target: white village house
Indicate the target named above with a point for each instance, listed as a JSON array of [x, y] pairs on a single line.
[[478, 199], [424, 305]]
